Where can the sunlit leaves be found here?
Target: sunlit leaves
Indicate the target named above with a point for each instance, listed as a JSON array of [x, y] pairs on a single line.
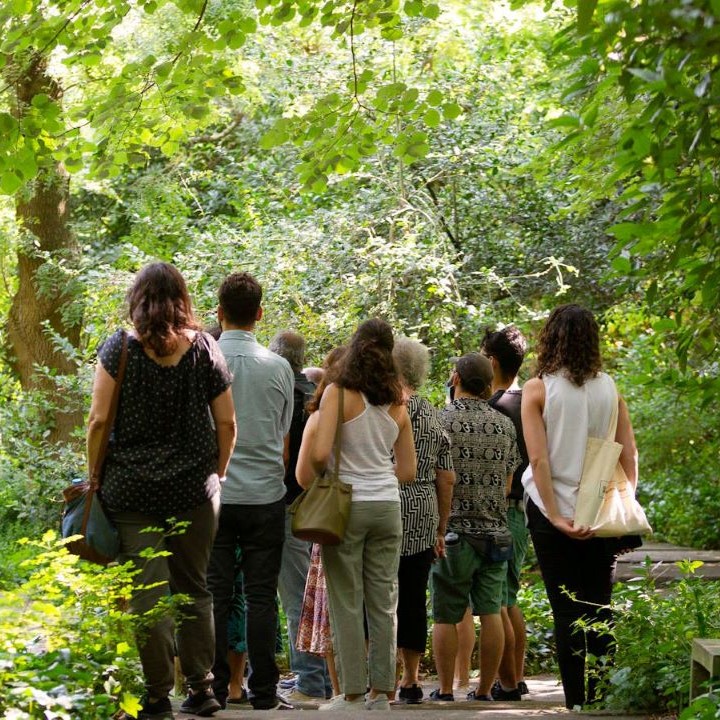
[[661, 57]]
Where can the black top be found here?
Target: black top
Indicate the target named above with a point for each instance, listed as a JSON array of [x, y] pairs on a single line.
[[508, 403], [304, 390], [162, 455]]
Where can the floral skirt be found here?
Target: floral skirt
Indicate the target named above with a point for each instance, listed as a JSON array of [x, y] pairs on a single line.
[[314, 627]]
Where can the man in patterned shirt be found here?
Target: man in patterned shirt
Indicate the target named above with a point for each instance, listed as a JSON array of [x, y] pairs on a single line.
[[485, 454]]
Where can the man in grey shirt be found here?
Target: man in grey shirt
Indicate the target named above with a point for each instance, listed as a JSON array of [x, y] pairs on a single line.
[[252, 514]]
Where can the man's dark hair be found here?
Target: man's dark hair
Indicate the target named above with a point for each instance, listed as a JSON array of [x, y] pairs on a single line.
[[508, 346], [240, 296], [291, 346]]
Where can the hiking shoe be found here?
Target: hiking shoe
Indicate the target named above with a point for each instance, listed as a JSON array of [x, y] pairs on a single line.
[[340, 703], [201, 702], [279, 703], [472, 697], [412, 695], [523, 688], [295, 696], [379, 702], [442, 697], [498, 692]]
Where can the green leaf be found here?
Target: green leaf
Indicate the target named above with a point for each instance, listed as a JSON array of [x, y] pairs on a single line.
[[585, 11], [391, 33], [649, 76], [7, 124], [451, 110], [272, 138], [434, 98], [564, 121], [130, 704], [413, 8], [431, 11], [432, 118], [622, 265], [10, 183]]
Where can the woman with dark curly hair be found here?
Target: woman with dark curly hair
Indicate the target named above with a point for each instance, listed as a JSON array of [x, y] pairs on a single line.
[[363, 568], [171, 442], [570, 400]]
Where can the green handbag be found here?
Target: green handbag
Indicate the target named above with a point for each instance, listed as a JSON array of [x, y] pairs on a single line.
[[320, 514]]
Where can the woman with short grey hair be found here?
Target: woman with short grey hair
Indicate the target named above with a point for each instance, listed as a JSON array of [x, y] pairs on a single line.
[[424, 506]]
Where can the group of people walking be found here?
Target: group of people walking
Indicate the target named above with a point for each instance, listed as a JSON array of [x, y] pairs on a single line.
[[212, 440]]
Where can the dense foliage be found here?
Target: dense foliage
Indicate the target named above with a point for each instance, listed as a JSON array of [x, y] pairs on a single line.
[[449, 166]]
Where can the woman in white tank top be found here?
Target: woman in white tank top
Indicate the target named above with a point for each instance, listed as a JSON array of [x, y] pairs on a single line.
[[362, 570], [569, 401]]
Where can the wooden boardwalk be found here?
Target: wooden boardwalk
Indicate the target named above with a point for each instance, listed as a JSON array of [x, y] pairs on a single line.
[[662, 562]]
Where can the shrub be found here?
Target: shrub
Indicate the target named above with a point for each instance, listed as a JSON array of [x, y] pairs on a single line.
[[64, 650], [540, 647], [654, 628]]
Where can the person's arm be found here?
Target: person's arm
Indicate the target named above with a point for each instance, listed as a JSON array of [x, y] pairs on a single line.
[[325, 432], [222, 410], [404, 449], [533, 403], [304, 471], [444, 484], [286, 450], [103, 388], [626, 437]]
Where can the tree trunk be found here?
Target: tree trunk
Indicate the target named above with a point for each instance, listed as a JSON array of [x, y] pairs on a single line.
[[42, 211]]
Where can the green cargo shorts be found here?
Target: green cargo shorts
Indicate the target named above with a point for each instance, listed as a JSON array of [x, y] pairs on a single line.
[[516, 525], [465, 573]]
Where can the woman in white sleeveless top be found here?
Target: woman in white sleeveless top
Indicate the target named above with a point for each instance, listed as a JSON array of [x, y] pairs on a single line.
[[569, 401], [363, 568]]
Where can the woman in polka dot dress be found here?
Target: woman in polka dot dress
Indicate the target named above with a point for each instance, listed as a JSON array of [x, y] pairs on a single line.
[[170, 445]]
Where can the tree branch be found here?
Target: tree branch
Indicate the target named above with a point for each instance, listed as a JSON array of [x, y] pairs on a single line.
[[443, 222]]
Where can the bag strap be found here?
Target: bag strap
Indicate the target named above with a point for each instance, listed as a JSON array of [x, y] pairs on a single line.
[[96, 473], [612, 427], [338, 432]]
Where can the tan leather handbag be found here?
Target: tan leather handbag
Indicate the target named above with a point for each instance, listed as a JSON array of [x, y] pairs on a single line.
[[321, 513]]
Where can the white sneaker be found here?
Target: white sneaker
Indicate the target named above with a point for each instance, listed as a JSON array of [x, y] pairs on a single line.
[[340, 703], [379, 702]]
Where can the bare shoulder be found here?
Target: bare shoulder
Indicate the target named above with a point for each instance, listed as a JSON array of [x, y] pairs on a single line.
[[398, 413]]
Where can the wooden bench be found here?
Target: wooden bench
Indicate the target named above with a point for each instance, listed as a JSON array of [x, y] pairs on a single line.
[[704, 665]]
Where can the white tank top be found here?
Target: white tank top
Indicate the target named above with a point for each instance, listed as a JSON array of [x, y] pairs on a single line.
[[571, 415], [366, 460]]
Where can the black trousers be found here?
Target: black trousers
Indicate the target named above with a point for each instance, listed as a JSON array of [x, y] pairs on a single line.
[[413, 576], [259, 531], [586, 569]]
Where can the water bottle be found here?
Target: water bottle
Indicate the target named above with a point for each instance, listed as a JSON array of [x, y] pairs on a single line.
[[451, 538]]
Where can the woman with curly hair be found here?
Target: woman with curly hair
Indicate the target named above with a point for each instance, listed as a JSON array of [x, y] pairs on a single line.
[[171, 442], [570, 400], [363, 568]]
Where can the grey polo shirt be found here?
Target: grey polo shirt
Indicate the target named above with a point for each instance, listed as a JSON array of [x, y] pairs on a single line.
[[262, 391]]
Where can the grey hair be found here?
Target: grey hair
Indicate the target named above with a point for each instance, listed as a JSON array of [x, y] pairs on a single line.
[[412, 360], [291, 346]]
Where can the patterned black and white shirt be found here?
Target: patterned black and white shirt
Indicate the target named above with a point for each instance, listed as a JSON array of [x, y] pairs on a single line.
[[484, 453], [418, 500]]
